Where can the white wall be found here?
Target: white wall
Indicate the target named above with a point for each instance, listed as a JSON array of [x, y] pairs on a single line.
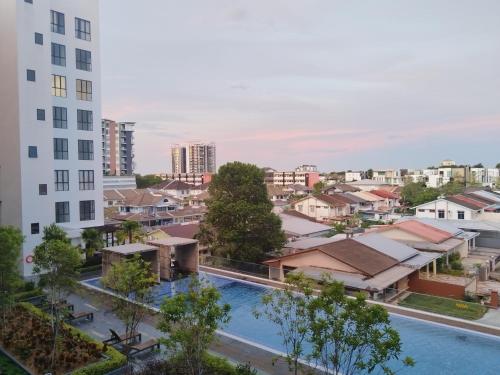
[[431, 210], [20, 175]]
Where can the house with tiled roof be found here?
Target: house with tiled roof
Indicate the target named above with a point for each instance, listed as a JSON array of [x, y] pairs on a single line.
[[324, 208], [175, 188], [372, 263], [466, 206]]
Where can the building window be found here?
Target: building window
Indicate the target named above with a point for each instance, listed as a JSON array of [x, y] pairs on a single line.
[[42, 189], [57, 22], [86, 179], [39, 39], [58, 54], [61, 180], [85, 150], [83, 60], [440, 214], [60, 117], [40, 114], [28, 1], [83, 89], [35, 228], [461, 215], [30, 75], [32, 152], [87, 210], [82, 29], [84, 119], [58, 85], [61, 148], [62, 212]]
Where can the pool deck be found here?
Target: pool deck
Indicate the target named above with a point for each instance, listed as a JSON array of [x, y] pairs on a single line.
[[412, 313], [234, 350]]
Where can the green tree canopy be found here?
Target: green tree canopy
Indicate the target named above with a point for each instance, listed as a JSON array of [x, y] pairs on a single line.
[[11, 241], [497, 166], [54, 232], [146, 180], [190, 320], [318, 187], [415, 193], [130, 278], [349, 336], [240, 223], [93, 241], [288, 308], [56, 261]]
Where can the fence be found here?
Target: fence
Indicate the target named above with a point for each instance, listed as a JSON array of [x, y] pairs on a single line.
[[252, 269]]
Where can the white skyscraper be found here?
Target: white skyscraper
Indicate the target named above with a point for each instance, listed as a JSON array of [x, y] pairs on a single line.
[[194, 157], [50, 105]]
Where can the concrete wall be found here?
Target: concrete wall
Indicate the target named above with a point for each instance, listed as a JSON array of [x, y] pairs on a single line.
[[431, 210]]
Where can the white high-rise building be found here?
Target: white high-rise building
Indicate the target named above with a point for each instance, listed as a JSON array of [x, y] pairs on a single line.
[[193, 157], [50, 105]]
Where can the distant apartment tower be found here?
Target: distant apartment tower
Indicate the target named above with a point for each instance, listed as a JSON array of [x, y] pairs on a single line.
[[117, 148], [193, 158], [306, 168], [50, 154]]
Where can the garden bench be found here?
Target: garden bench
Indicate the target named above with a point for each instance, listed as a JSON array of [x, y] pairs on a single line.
[[134, 349], [119, 338], [72, 316]]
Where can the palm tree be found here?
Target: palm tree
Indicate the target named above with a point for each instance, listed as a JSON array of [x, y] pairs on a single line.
[[93, 241], [133, 229]]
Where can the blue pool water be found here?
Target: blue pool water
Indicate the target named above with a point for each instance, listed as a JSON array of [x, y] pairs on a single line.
[[436, 349]]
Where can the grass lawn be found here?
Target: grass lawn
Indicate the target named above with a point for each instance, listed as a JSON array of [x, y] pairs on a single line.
[[445, 306], [9, 367]]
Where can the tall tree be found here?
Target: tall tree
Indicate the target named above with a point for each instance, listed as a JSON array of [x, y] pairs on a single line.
[[56, 262], [190, 321], [240, 223], [288, 309], [54, 232], [131, 278], [147, 180], [415, 193], [497, 166], [11, 241], [351, 337], [93, 241]]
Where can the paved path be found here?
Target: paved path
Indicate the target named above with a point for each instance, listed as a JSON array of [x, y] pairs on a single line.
[[234, 350]]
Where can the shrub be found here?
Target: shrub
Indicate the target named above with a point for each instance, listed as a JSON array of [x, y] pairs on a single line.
[[456, 265], [23, 296]]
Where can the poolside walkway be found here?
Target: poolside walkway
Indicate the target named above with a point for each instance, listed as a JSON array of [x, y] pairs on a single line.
[[234, 350]]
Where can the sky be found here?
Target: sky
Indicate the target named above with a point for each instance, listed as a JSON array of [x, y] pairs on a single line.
[[350, 84]]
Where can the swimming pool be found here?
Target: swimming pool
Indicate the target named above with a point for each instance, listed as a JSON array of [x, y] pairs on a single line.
[[437, 349]]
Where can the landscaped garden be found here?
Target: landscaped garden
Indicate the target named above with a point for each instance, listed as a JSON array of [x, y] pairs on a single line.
[[25, 337], [445, 306]]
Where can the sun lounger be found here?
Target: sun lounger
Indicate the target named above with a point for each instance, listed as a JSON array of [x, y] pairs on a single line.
[[119, 338], [140, 347], [72, 316]]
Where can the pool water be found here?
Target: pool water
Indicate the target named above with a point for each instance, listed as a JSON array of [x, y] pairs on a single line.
[[436, 349]]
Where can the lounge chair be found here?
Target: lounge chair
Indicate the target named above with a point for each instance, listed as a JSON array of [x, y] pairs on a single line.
[[134, 349], [72, 316], [119, 338]]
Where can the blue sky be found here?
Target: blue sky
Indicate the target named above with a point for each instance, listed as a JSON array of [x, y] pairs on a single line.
[[341, 84]]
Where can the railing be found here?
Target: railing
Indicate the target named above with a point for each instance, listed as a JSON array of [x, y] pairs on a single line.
[[253, 269]]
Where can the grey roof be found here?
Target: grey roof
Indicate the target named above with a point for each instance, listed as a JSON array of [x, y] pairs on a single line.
[[487, 194], [442, 224], [312, 242], [301, 227], [385, 245], [420, 260]]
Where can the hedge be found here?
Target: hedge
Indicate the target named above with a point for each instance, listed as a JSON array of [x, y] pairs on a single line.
[[114, 361], [22, 296], [88, 269]]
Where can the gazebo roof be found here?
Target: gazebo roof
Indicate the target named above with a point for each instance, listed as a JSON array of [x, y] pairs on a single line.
[[131, 248]]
